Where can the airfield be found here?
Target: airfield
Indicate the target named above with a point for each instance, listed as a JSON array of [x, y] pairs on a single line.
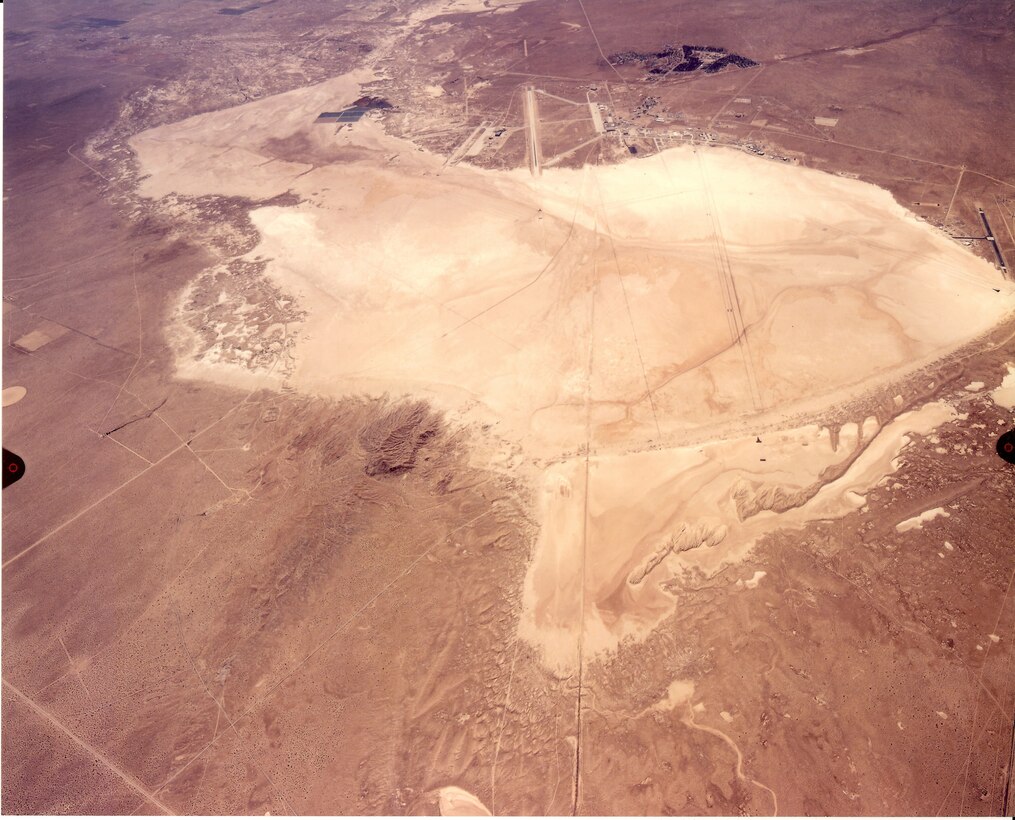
[[555, 424]]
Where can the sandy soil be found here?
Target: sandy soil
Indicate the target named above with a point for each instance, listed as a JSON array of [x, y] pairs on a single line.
[[644, 300], [1004, 395], [443, 7], [605, 311], [226, 600], [917, 521], [606, 561], [12, 395]]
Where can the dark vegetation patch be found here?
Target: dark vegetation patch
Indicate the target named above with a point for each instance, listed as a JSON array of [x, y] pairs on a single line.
[[370, 103], [392, 441], [286, 200], [302, 147], [235, 11], [76, 100], [682, 59], [90, 22]]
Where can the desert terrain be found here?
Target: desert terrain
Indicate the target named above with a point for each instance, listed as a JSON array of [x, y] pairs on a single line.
[[509, 408]]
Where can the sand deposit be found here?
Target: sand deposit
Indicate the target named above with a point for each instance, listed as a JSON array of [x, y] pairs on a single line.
[[12, 395], [602, 292], [1004, 395], [917, 521], [602, 563], [443, 7], [456, 802], [620, 312]]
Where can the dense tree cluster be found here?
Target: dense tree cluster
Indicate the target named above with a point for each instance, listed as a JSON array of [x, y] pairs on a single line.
[[371, 103], [729, 59], [682, 59]]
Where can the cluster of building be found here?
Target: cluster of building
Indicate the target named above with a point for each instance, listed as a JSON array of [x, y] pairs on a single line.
[[626, 127]]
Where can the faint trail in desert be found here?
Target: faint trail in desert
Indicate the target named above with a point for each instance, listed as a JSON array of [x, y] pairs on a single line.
[[973, 734], [500, 733], [955, 193], [184, 446], [878, 151], [592, 31], [728, 287], [627, 305], [738, 93], [116, 441], [1004, 218], [140, 338], [98, 341], [204, 464], [93, 169], [131, 781], [348, 621], [220, 707], [898, 35], [86, 510], [923, 635], [593, 289], [689, 721], [167, 588], [556, 767], [567, 239], [338, 630], [52, 273], [1007, 774], [73, 667]]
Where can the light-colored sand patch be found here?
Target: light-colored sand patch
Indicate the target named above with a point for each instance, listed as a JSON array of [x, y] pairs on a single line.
[[1004, 395], [434, 90], [753, 581], [456, 802], [210, 365], [223, 152], [12, 395], [917, 521], [972, 387], [428, 11], [855, 498], [678, 693], [553, 598], [42, 335], [655, 515]]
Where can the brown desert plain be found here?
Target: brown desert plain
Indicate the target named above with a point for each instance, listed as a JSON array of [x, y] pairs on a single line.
[[479, 407]]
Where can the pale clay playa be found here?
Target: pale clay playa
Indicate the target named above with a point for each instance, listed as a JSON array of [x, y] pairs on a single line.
[[598, 311]]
